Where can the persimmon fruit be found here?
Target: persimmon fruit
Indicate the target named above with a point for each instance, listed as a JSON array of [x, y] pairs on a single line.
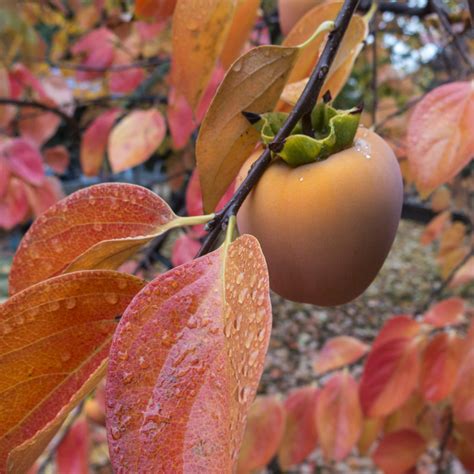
[[326, 227]]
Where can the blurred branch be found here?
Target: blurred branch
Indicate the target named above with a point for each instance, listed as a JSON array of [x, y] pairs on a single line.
[[112, 68], [374, 68], [440, 464], [398, 8]]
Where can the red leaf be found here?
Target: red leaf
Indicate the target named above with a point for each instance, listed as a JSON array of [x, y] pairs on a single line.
[[72, 455], [339, 416], [97, 48], [57, 158], [435, 228], [390, 376], [94, 142], [24, 159], [187, 355], [301, 434], [135, 138], [184, 250], [463, 393], [399, 451], [95, 214], [180, 119], [464, 275], [445, 313], [440, 364], [55, 339], [157, 10], [371, 429], [402, 326], [209, 92], [440, 142], [4, 176], [338, 352], [127, 80], [7, 112], [263, 433], [43, 197], [14, 206]]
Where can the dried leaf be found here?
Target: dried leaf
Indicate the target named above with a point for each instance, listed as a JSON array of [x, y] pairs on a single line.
[[399, 451], [390, 376], [226, 139], [55, 340], [301, 435], [94, 142], [198, 38], [263, 433], [440, 142], [338, 352], [445, 313], [188, 353], [339, 416], [134, 139], [243, 21], [82, 220]]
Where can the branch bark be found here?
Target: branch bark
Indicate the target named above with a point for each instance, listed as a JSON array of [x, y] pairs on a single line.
[[305, 104]]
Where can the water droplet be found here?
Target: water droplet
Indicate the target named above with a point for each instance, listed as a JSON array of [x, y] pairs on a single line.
[[114, 204], [20, 320], [253, 356], [166, 339], [111, 298], [237, 321], [70, 303], [91, 200], [142, 362], [363, 148], [116, 433], [244, 394], [240, 277], [65, 356], [97, 226], [301, 179], [127, 377], [260, 315], [260, 299], [53, 306], [122, 355], [242, 295], [249, 340], [261, 335], [122, 284], [237, 66], [192, 24], [57, 246], [6, 329], [228, 328]]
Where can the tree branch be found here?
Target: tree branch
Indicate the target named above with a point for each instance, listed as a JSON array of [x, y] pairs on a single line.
[[305, 104]]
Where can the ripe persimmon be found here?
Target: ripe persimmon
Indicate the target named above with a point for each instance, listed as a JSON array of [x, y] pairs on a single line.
[[326, 227]]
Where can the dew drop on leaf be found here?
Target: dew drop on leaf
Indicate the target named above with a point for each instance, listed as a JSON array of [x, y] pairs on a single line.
[[111, 298]]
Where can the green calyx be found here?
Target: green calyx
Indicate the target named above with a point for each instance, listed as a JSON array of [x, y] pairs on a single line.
[[334, 130]]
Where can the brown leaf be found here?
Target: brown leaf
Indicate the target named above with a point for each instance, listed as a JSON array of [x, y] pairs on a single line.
[[185, 363], [55, 340], [226, 139]]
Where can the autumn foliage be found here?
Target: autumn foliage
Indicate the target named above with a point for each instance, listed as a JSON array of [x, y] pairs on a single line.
[[98, 91]]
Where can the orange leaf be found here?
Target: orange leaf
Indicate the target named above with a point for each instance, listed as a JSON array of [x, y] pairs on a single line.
[[301, 434], [343, 63], [463, 393], [94, 214], [390, 376], [158, 10], [371, 429], [445, 313], [402, 326], [339, 416], [449, 260], [464, 275], [290, 11], [55, 340], [243, 21], [185, 363], [72, 455], [441, 199], [338, 352], [134, 139], [440, 142], [226, 139], [435, 228], [263, 433], [198, 38], [94, 142], [440, 365], [399, 451], [452, 238]]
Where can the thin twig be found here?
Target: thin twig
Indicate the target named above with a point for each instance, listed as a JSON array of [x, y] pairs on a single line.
[[304, 105], [444, 444], [374, 84]]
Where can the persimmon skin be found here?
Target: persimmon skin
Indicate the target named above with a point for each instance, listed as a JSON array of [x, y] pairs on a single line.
[[326, 228]]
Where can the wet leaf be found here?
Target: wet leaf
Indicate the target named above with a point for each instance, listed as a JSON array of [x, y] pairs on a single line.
[[189, 353], [440, 364], [445, 313], [243, 21], [338, 352], [134, 139], [226, 139], [399, 451], [440, 142], [390, 375], [301, 435], [199, 32], [55, 340], [263, 433], [94, 142], [339, 416], [82, 220]]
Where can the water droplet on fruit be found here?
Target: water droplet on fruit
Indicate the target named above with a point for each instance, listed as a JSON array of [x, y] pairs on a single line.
[[301, 179], [115, 432], [363, 148]]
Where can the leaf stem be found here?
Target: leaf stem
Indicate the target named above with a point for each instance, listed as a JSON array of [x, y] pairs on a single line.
[[322, 28], [193, 220], [304, 105]]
